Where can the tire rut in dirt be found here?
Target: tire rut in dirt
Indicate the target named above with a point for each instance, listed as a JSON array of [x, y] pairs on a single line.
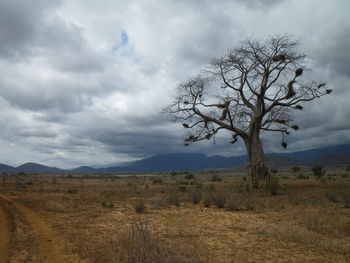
[[4, 234], [20, 244], [31, 240]]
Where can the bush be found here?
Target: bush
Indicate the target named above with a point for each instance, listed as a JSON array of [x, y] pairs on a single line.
[[207, 199], [219, 198], [157, 181], [189, 177], [215, 178], [274, 170], [137, 244], [173, 196], [140, 206], [233, 203], [318, 171], [302, 176], [196, 195], [19, 185], [346, 197], [295, 169], [210, 187], [251, 202], [182, 182], [331, 195], [72, 191], [182, 189], [272, 185], [107, 204], [157, 202]]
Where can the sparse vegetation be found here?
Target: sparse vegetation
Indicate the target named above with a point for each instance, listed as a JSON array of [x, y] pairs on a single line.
[[189, 176], [140, 205], [295, 169], [181, 217], [318, 172], [274, 170], [107, 204], [302, 176], [215, 178], [272, 185], [72, 191]]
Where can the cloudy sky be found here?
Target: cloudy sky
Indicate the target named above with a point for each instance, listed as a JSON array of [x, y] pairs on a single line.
[[83, 82]]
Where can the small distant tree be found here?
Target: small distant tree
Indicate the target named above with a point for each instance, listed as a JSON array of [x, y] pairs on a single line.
[[318, 172], [295, 169], [251, 89]]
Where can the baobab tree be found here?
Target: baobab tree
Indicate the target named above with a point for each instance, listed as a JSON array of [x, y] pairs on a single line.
[[252, 88]]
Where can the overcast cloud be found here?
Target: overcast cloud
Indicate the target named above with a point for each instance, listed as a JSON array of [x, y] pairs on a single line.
[[84, 82]]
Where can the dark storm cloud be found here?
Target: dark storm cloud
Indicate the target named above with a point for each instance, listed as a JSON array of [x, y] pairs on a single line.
[[20, 22], [84, 82], [334, 51]]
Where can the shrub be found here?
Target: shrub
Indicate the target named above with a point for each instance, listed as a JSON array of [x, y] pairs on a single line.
[[251, 202], [196, 195], [331, 195], [233, 203], [207, 199], [346, 197], [182, 182], [140, 206], [295, 169], [182, 189], [189, 177], [72, 191], [19, 185], [196, 184], [107, 204], [302, 176], [219, 197], [215, 178], [272, 185], [318, 171], [157, 202], [274, 170], [210, 187], [138, 244], [157, 181], [173, 196]]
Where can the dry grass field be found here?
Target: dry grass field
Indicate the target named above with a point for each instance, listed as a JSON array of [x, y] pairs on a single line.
[[174, 218]]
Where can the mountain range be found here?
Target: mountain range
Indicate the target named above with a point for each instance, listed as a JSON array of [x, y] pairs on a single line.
[[328, 156]]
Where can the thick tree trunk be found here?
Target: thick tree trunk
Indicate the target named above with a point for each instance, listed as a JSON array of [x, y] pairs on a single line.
[[257, 168]]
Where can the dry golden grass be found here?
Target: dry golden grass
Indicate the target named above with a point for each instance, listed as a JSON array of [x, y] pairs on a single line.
[[100, 219]]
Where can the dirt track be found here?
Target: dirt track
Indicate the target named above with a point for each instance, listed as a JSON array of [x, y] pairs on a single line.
[[25, 237]]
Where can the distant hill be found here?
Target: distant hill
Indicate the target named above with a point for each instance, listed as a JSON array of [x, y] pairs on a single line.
[[6, 168], [310, 155], [36, 168], [184, 161], [277, 161], [328, 156], [83, 169], [340, 159]]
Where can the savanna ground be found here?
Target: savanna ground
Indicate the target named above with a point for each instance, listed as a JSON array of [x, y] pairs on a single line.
[[207, 217]]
